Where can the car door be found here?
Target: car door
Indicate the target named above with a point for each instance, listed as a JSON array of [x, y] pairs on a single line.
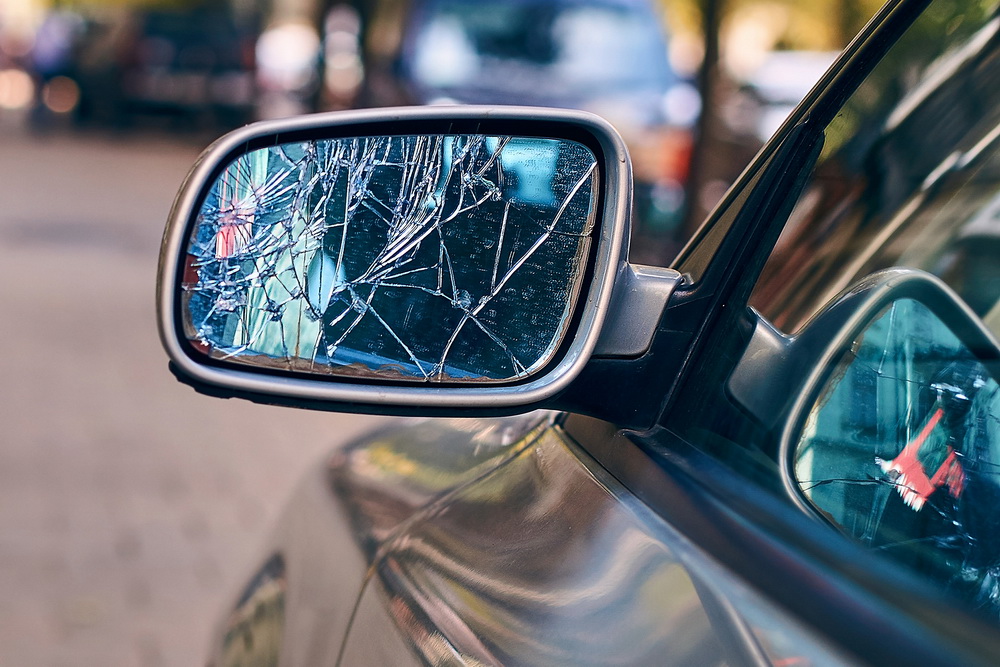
[[876, 196], [549, 559]]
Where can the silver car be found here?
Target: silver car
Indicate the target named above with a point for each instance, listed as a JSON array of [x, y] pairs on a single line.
[[782, 449]]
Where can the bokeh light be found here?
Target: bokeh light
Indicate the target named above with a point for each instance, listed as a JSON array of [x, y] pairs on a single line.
[[61, 94], [17, 90]]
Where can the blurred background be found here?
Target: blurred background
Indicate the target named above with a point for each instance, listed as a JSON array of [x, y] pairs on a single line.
[[129, 506]]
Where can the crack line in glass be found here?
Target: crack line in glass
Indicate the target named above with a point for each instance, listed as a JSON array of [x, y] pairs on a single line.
[[370, 256]]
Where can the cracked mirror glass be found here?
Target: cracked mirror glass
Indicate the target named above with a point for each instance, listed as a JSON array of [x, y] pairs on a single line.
[[425, 258], [902, 451]]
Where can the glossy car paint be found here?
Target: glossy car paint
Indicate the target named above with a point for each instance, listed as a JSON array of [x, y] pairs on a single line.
[[503, 542], [340, 513], [539, 563]]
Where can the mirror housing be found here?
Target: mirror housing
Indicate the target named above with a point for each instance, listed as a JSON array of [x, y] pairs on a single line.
[[202, 249]]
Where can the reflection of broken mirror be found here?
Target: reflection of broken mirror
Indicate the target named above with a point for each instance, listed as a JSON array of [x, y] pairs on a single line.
[[901, 450], [425, 257]]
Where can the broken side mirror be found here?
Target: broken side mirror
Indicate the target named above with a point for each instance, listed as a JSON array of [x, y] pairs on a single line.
[[444, 259]]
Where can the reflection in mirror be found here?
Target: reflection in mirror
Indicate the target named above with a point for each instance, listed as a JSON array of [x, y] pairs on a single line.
[[429, 258], [902, 451]]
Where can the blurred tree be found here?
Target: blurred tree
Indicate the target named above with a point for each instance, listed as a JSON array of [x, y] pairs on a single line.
[[817, 25], [740, 33]]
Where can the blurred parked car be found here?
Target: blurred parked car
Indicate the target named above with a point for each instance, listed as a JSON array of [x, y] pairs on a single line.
[[775, 88], [782, 450], [193, 65], [605, 56]]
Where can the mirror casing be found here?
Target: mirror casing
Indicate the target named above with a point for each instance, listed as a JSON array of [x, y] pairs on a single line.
[[213, 244], [893, 440]]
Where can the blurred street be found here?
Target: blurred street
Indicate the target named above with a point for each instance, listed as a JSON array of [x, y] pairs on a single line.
[[130, 506]]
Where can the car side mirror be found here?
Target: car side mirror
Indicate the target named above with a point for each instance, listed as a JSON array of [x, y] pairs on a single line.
[[898, 404], [894, 446], [444, 259]]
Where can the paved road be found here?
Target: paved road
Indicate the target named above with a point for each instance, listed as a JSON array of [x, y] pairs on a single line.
[[129, 505]]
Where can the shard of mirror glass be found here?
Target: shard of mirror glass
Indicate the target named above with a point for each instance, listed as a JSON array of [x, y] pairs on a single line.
[[427, 257]]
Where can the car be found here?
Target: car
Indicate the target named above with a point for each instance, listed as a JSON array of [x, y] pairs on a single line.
[[781, 449], [771, 90], [190, 64], [605, 56]]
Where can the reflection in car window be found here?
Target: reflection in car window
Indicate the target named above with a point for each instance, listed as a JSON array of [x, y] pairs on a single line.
[[909, 176], [900, 451]]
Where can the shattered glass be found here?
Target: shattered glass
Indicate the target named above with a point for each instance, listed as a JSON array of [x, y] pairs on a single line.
[[429, 258], [902, 451]]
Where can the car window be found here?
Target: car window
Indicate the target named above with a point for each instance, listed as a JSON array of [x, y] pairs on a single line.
[[916, 185], [908, 175]]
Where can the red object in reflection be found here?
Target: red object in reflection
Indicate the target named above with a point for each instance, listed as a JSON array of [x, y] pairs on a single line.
[[232, 239], [911, 479]]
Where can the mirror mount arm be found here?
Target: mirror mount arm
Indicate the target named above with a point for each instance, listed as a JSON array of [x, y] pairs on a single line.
[[627, 379], [639, 297], [788, 360], [768, 354]]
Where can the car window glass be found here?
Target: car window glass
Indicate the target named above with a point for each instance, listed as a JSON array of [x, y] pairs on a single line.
[[909, 176], [898, 453]]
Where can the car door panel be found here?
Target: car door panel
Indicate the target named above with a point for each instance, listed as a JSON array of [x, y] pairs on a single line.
[[539, 562]]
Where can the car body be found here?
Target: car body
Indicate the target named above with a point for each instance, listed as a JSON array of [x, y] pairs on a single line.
[[780, 450]]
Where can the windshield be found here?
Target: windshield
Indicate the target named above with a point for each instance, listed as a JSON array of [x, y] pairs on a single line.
[[550, 49]]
